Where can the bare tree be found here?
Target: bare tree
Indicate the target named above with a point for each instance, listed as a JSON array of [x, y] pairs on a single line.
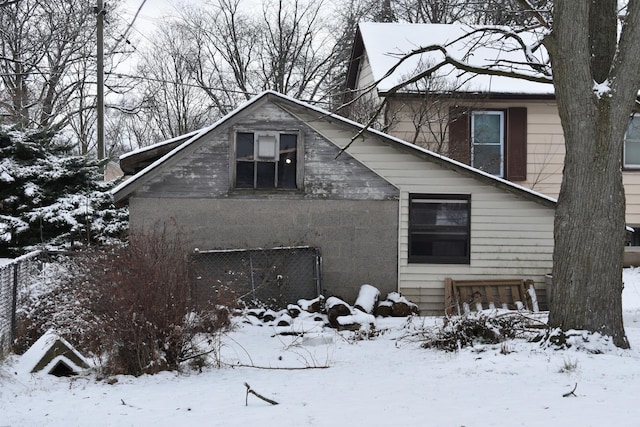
[[478, 12], [172, 100], [290, 47], [40, 42], [48, 65], [227, 41], [432, 11]]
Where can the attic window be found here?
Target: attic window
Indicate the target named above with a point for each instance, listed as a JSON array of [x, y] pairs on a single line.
[[266, 160]]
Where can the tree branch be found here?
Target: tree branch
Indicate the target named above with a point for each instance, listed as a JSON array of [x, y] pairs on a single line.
[[572, 392], [250, 390], [526, 5]]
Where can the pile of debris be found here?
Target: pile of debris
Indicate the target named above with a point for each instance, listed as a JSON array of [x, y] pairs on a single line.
[[339, 314]]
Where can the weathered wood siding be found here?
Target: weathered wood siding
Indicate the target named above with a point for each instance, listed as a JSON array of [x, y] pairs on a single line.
[[202, 170], [510, 236]]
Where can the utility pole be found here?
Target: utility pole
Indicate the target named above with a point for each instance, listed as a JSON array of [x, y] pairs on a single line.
[[100, 64]]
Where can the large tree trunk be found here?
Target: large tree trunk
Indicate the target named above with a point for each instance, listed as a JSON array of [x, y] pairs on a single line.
[[590, 216]]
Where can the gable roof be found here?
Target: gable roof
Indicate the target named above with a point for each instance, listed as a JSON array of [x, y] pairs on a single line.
[[124, 190], [386, 43]]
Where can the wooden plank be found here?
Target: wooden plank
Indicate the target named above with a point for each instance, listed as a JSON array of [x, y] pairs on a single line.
[[448, 296], [480, 294], [503, 296]]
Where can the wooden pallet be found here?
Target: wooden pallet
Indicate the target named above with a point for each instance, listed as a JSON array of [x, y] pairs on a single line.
[[463, 296]]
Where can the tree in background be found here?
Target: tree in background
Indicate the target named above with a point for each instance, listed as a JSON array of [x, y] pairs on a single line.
[[48, 66], [477, 12], [218, 54], [172, 101], [50, 197]]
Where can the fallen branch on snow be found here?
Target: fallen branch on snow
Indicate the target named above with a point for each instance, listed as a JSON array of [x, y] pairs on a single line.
[[571, 393], [250, 390]]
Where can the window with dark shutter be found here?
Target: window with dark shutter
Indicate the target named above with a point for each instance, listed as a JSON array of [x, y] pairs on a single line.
[[514, 159]]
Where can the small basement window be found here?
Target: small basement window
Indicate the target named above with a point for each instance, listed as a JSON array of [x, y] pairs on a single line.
[[266, 160], [439, 229]]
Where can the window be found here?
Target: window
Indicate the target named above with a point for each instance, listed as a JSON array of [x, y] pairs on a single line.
[[632, 144], [266, 160], [494, 141], [487, 141], [439, 229]]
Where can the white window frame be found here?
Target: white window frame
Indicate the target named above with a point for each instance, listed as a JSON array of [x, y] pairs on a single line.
[[499, 113], [626, 165], [266, 156]]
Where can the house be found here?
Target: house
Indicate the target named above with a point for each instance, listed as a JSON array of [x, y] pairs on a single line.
[[278, 173], [508, 127]]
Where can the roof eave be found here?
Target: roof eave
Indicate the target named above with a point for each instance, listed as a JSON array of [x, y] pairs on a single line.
[[474, 95]]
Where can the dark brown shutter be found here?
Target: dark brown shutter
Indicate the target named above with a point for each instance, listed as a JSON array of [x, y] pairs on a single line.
[[459, 135], [516, 146]]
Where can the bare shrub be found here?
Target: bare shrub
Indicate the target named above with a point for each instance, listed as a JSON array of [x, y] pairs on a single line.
[[471, 329], [135, 306]]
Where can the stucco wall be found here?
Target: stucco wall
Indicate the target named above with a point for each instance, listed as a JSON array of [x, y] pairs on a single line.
[[358, 239]]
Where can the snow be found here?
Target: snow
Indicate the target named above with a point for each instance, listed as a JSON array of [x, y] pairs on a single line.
[[602, 89], [328, 378], [386, 43], [367, 298]]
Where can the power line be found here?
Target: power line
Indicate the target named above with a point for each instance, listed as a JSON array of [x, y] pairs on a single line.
[[124, 35], [152, 79], [227, 90]]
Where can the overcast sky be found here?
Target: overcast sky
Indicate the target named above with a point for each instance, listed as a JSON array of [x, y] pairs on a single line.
[[152, 11]]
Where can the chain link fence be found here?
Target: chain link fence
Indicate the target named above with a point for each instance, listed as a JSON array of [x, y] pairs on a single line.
[[270, 277], [15, 278]]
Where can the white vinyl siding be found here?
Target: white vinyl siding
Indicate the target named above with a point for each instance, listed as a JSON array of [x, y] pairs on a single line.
[[499, 221]]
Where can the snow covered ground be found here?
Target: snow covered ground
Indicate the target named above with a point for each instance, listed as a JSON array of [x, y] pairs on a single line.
[[388, 380]]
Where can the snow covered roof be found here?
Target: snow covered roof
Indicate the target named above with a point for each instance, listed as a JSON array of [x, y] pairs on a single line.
[[386, 43], [135, 160], [48, 352], [124, 190]]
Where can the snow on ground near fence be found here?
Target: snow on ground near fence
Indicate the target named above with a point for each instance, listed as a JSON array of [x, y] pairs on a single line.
[[383, 381]]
